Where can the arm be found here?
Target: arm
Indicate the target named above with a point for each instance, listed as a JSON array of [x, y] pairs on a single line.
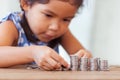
[[11, 55], [72, 45]]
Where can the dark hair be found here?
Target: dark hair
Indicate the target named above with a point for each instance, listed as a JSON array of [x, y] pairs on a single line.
[[26, 27], [76, 3]]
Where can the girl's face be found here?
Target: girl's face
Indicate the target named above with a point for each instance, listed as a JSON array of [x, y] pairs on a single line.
[[49, 21]]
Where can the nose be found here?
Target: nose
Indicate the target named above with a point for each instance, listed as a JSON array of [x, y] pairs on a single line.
[[54, 26]]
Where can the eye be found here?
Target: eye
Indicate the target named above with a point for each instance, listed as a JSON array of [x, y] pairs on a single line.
[[67, 20], [48, 15]]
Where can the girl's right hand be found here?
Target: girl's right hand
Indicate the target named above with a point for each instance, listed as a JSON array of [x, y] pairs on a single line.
[[47, 59]]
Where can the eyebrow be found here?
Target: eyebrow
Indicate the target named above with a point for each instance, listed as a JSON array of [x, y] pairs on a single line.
[[56, 14], [70, 17], [50, 12]]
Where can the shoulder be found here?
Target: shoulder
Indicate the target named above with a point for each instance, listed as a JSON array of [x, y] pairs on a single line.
[[8, 31]]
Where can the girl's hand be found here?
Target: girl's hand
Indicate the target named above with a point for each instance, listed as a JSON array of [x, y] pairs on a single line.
[[47, 59], [83, 53]]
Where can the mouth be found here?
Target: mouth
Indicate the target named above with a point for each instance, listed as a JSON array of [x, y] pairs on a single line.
[[49, 37], [46, 37]]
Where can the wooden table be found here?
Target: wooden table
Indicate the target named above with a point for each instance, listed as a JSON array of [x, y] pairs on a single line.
[[35, 74]]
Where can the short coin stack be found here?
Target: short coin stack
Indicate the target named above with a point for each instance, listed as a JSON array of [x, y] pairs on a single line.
[[104, 65], [88, 64]]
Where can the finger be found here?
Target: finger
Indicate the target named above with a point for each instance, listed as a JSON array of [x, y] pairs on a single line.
[[87, 54], [90, 55], [60, 60], [46, 64], [83, 53], [45, 68], [80, 54], [53, 63]]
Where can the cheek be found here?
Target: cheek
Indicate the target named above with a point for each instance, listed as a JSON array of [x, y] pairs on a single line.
[[36, 23], [37, 26], [63, 30]]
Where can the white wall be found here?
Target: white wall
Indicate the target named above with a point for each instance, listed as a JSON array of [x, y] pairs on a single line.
[[106, 31], [8, 6]]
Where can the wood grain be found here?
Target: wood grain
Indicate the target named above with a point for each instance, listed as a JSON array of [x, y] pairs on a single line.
[[36, 74]]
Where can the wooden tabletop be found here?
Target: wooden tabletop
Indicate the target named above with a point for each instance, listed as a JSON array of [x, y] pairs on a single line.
[[36, 74]]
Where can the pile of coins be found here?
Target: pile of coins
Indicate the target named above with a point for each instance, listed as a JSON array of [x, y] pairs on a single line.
[[88, 64]]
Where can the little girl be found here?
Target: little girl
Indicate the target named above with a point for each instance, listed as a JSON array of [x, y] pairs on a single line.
[[33, 35]]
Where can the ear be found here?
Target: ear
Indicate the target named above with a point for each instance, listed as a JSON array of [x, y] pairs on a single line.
[[24, 5]]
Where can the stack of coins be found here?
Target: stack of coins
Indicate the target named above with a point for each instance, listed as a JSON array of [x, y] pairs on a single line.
[[104, 65], [83, 64], [98, 64], [74, 62], [93, 64]]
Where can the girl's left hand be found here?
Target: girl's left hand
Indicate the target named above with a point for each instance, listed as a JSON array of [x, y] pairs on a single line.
[[83, 53]]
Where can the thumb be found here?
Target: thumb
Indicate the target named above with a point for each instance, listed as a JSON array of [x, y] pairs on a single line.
[[79, 53]]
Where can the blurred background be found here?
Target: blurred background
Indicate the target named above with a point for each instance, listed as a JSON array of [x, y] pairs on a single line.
[[97, 27]]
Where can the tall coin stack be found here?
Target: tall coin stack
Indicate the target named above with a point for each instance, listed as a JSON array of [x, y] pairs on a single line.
[[94, 64], [83, 64], [74, 62]]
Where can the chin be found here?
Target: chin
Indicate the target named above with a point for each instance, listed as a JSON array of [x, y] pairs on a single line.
[[44, 40]]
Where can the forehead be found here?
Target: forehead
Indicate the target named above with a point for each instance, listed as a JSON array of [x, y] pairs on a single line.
[[59, 6]]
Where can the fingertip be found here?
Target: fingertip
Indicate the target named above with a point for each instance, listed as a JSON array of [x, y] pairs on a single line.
[[68, 66]]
